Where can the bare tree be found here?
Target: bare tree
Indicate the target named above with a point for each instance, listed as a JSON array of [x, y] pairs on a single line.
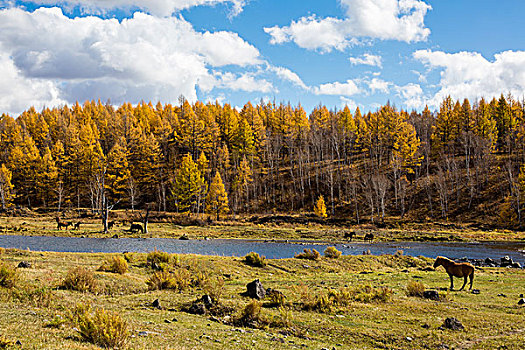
[[133, 192]]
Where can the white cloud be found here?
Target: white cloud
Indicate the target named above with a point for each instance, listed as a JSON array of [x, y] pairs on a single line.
[[337, 88], [412, 95], [245, 82], [288, 75], [347, 102], [470, 75], [379, 85], [401, 20], [155, 7], [143, 57], [367, 59]]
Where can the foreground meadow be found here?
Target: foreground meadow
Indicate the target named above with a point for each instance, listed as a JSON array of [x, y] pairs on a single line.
[[347, 302]]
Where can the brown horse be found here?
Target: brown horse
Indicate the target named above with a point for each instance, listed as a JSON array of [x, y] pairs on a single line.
[[456, 269]]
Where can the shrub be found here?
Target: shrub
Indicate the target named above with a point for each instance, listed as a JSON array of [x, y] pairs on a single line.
[[130, 257], [254, 259], [100, 327], [115, 264], [57, 322], [332, 252], [251, 316], [5, 343], [308, 254], [8, 276], [160, 280], [275, 298], [344, 296], [159, 260], [80, 279], [214, 287], [415, 289], [36, 296], [2, 250]]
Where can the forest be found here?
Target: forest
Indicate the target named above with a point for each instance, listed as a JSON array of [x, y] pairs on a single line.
[[461, 162]]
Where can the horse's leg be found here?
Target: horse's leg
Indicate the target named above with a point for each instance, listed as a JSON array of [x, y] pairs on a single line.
[[471, 280], [451, 282], [464, 282]]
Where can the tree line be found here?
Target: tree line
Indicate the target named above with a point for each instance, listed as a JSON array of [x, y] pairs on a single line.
[[269, 157]]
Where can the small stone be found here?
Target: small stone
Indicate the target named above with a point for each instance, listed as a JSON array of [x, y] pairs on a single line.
[[18, 342], [156, 304], [408, 338], [174, 319], [453, 323], [516, 265], [115, 236], [521, 301], [502, 295], [167, 321], [475, 291], [143, 334], [506, 261], [24, 265], [425, 326], [431, 294], [521, 295]]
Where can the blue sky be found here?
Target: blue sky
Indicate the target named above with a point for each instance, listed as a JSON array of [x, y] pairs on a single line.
[[335, 52]]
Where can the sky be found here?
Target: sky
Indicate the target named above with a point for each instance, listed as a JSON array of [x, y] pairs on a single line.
[[362, 53]]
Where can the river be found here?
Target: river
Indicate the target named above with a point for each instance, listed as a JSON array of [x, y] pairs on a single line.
[[273, 250]]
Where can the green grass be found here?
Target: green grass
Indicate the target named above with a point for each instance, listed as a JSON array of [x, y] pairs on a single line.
[[358, 316]]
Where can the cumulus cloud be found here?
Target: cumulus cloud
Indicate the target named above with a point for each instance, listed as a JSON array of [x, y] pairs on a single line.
[[246, 82], [412, 95], [143, 57], [401, 20], [348, 88], [379, 85], [470, 75], [367, 59], [154, 7], [288, 75]]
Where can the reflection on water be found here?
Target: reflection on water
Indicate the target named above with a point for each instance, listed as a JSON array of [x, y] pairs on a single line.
[[274, 250]]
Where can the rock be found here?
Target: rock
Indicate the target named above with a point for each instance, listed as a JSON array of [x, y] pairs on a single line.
[[255, 290], [280, 340], [502, 295], [521, 295], [156, 304], [506, 261], [408, 338], [115, 236], [490, 262], [143, 334], [431, 294], [197, 308], [516, 265], [184, 238], [18, 342], [453, 323], [425, 326], [208, 302], [521, 301], [24, 265], [475, 291], [167, 321], [174, 320]]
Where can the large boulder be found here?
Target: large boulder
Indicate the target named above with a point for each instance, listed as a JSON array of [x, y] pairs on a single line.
[[24, 265], [255, 290]]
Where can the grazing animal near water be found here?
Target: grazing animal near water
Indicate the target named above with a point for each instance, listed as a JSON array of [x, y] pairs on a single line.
[[77, 226], [455, 269], [369, 237], [349, 235], [136, 228], [61, 224], [111, 224]]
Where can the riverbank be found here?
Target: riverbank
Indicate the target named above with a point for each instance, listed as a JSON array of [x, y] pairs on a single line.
[[347, 302], [290, 228]]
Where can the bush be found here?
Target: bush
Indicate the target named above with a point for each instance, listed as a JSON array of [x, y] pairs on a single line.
[[5, 343], [415, 289], [308, 254], [57, 322], [36, 296], [160, 280], [254, 259], [214, 288], [100, 327], [159, 260], [332, 252], [275, 298], [345, 296], [115, 264], [8, 276], [80, 279], [130, 257], [251, 316]]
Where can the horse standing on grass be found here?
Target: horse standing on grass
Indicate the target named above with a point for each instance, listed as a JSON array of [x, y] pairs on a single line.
[[456, 269]]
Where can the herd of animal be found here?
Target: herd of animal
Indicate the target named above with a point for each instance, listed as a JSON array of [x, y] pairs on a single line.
[[76, 226]]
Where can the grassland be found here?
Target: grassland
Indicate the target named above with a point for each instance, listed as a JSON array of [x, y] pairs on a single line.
[[287, 228], [492, 319]]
